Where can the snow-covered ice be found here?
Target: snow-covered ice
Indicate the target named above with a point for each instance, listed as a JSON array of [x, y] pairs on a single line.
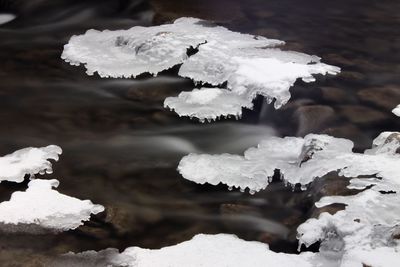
[[249, 65], [203, 250], [366, 232], [31, 161], [41, 206]]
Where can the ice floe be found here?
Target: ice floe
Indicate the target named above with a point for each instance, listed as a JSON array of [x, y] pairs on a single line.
[[241, 65]]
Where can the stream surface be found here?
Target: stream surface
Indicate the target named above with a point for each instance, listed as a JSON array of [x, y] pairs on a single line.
[[121, 147]]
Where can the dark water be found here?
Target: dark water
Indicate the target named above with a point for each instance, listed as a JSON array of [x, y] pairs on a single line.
[[121, 147]]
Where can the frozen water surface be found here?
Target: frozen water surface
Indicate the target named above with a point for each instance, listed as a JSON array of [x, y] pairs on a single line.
[[361, 233]]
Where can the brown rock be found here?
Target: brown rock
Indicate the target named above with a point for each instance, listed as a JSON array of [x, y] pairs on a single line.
[[386, 97], [126, 218], [267, 32], [351, 75], [362, 114], [219, 11], [312, 119], [350, 131], [335, 95], [236, 208]]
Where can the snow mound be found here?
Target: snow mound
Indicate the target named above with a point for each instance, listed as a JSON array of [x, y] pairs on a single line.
[[249, 65], [42, 206], [29, 160], [202, 250]]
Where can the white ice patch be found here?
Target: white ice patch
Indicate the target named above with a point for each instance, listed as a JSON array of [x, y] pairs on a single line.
[[248, 64], [31, 160], [4, 18], [293, 156], [396, 110], [300, 160], [203, 250], [208, 103], [44, 207]]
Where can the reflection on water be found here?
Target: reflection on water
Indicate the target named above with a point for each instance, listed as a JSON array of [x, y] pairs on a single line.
[[121, 147]]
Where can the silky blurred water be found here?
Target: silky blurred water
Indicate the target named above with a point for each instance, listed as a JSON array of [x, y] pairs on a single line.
[[121, 147]]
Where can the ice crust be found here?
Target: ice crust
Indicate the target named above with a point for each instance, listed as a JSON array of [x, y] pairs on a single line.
[[248, 64], [42, 206], [31, 161]]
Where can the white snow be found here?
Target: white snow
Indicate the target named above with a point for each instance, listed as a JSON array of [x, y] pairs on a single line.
[[220, 250], [40, 205], [5, 17], [250, 65], [396, 110], [31, 160]]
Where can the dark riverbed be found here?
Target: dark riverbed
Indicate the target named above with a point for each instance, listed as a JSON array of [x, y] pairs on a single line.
[[121, 147]]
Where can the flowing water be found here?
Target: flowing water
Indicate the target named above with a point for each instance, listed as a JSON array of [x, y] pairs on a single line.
[[121, 147]]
